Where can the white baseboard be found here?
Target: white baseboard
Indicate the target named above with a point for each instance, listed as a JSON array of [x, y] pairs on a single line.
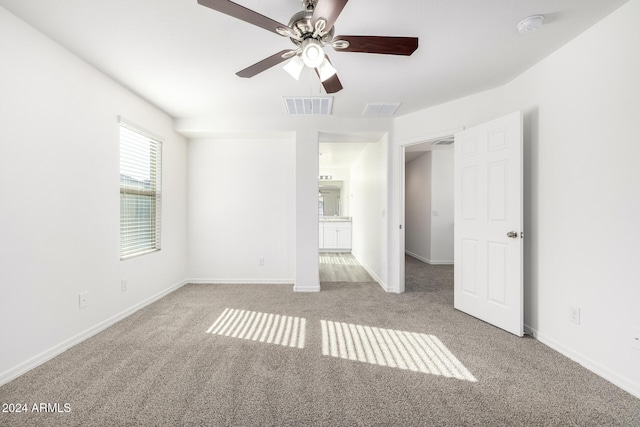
[[416, 256], [273, 282], [373, 274], [586, 362], [385, 287], [306, 288], [429, 261], [441, 262], [47, 355], [240, 281]]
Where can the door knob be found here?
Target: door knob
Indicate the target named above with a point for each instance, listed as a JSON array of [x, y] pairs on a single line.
[[512, 234]]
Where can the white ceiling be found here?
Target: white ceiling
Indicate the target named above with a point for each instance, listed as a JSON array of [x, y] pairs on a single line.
[[183, 57]]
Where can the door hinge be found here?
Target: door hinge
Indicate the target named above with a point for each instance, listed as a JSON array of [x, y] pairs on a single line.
[[400, 226]]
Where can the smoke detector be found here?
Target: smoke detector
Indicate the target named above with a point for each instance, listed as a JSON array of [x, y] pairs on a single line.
[[530, 24]]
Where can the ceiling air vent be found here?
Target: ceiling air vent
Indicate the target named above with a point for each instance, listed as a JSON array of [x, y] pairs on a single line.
[[443, 141], [308, 105], [381, 108]]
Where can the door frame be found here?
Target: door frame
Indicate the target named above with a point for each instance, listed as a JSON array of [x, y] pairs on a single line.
[[402, 145]]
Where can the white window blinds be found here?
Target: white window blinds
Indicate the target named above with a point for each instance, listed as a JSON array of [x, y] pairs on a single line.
[[140, 191]]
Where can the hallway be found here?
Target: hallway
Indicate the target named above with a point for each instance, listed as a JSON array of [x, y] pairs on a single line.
[[342, 267]]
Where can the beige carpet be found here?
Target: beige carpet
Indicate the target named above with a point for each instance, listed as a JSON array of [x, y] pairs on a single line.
[[351, 355]]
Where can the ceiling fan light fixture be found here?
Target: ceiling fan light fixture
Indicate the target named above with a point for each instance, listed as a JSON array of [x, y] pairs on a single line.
[[310, 30], [326, 70], [312, 53], [294, 67]]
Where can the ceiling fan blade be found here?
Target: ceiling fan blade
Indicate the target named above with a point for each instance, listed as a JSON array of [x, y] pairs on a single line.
[[379, 44], [332, 84], [329, 10], [263, 65], [242, 13]]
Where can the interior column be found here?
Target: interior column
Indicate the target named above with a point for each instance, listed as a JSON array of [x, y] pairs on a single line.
[[307, 277]]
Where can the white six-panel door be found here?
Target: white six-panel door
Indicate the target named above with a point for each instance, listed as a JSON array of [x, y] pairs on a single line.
[[488, 233]]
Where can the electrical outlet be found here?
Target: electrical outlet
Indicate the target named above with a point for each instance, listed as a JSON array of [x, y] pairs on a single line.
[[83, 299], [261, 262], [574, 314], [123, 285]]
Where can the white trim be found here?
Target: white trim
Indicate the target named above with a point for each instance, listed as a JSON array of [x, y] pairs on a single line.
[[386, 288], [429, 261], [416, 256], [202, 281], [595, 367], [134, 127], [297, 288], [430, 137], [56, 350], [441, 262], [374, 275]]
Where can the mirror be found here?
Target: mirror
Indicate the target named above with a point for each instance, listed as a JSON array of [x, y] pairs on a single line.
[[329, 198]]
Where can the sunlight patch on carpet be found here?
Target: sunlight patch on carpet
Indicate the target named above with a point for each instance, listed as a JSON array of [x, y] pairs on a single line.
[[388, 347], [261, 327]]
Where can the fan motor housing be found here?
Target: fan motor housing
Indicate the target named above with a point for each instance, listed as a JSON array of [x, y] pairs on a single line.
[[309, 4], [301, 22]]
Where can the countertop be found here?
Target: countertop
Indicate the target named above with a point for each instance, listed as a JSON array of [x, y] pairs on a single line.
[[335, 219]]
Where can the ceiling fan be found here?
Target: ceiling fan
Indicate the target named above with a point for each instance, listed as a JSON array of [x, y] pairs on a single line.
[[311, 30]]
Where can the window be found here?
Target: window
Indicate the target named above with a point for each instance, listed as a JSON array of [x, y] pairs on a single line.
[[140, 191]]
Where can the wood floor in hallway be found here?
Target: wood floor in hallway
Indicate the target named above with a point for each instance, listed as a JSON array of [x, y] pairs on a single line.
[[342, 267]]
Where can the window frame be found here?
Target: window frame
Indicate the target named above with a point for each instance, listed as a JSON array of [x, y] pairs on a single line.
[[146, 237]]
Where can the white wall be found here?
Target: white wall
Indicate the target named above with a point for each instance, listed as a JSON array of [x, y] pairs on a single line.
[[241, 208], [307, 242], [582, 190], [442, 206], [429, 207], [305, 132], [368, 209], [59, 212], [345, 198], [417, 214], [583, 195]]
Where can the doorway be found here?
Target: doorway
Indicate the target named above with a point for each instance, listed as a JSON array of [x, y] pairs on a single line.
[[349, 200], [488, 218], [427, 214]]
